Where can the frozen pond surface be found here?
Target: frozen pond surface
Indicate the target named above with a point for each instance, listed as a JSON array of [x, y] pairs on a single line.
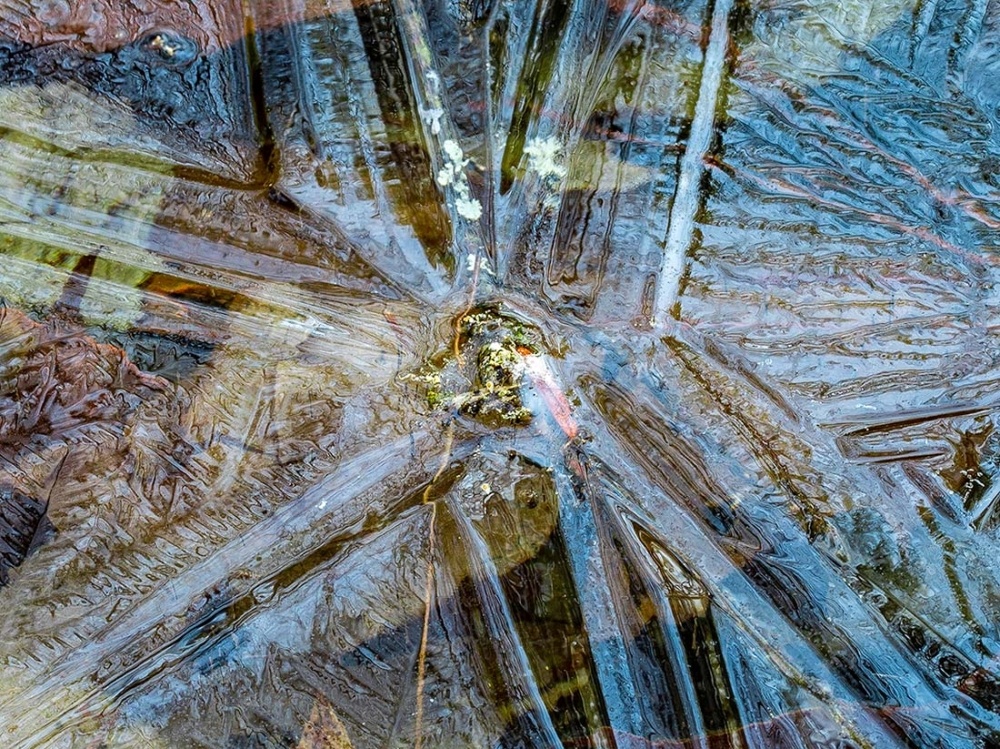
[[511, 373]]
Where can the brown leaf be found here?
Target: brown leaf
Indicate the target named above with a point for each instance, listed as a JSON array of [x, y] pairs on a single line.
[[324, 730]]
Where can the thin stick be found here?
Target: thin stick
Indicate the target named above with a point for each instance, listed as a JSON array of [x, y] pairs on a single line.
[[429, 588], [422, 654], [685, 203]]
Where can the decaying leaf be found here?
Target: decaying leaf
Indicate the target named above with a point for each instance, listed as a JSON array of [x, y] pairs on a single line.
[[324, 729]]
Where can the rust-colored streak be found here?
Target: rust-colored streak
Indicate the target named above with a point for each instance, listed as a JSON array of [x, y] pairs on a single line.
[[554, 398]]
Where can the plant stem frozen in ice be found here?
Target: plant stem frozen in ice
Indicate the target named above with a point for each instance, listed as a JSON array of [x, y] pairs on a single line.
[[685, 203]]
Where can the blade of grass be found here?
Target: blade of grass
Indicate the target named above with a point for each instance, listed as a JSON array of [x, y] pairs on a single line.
[[685, 205]]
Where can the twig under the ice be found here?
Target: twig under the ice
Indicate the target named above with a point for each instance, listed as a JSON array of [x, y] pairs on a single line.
[[685, 205]]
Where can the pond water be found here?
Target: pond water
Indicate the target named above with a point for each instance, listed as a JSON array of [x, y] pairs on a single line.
[[499, 373]]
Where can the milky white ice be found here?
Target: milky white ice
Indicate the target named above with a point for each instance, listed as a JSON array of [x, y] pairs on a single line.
[[432, 116], [453, 174], [472, 260], [543, 157]]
